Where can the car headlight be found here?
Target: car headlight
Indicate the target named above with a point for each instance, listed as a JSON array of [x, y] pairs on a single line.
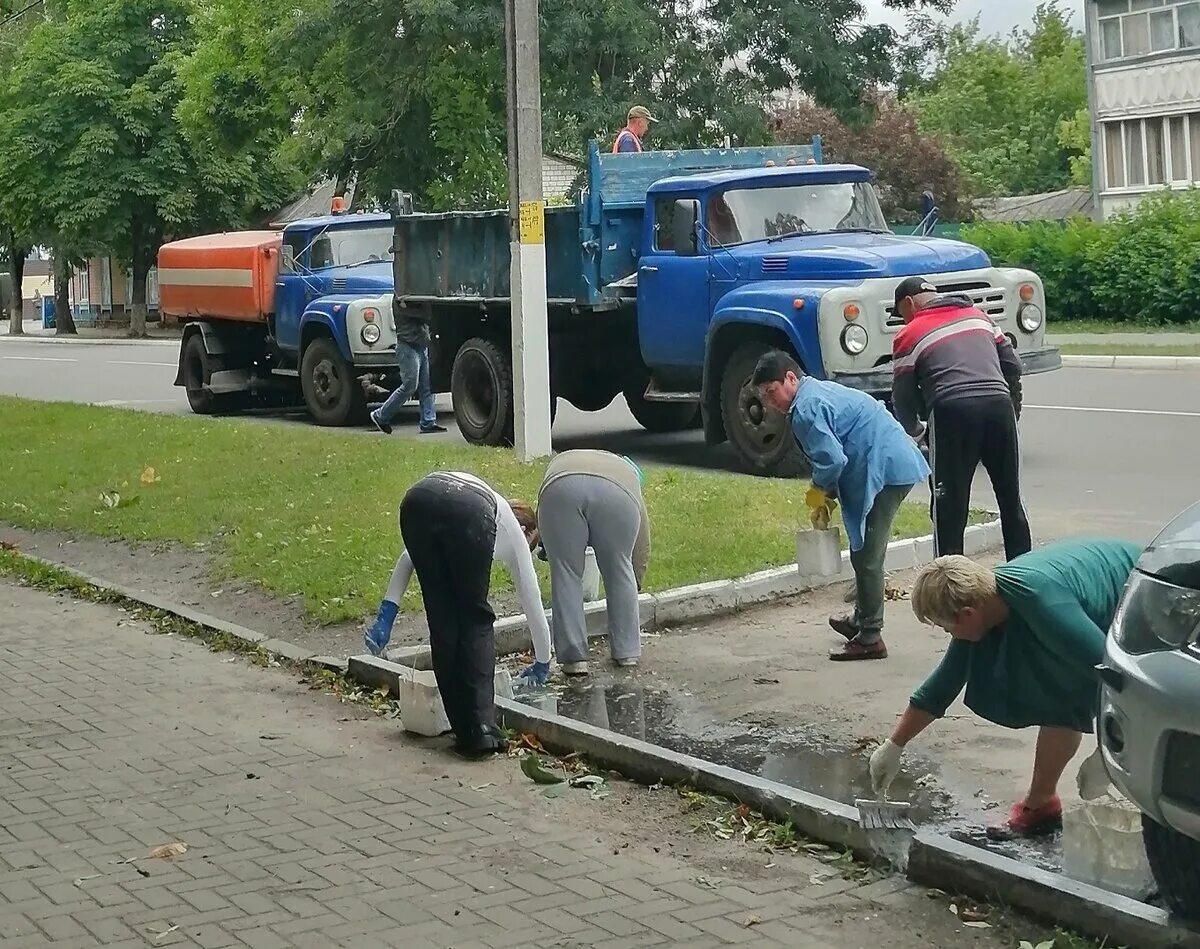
[[1154, 616], [1030, 317], [370, 334], [854, 339]]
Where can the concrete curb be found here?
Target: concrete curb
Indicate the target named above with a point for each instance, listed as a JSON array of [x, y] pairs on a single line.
[[89, 340], [1157, 363], [936, 860], [721, 597]]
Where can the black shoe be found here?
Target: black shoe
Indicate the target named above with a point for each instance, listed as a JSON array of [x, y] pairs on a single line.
[[433, 429], [480, 742], [380, 423]]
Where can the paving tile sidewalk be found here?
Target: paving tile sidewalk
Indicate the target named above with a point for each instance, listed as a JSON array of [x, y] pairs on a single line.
[[310, 823]]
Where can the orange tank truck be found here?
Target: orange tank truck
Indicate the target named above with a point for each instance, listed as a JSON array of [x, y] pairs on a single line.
[[220, 276]]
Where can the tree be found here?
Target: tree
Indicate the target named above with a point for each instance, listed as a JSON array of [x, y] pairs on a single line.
[[1000, 105], [411, 93], [906, 161]]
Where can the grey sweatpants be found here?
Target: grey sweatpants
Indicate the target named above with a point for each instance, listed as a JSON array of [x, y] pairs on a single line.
[[576, 512]]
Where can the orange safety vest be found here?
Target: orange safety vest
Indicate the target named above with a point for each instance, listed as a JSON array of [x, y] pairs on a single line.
[[617, 143]]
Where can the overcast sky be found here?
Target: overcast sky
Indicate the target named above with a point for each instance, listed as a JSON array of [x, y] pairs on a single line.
[[995, 16]]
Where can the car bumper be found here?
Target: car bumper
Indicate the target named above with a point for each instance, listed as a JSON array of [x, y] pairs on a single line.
[[878, 382], [382, 360], [1149, 730]]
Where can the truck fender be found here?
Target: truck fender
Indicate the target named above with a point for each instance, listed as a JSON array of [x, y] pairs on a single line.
[[327, 316], [214, 344], [721, 340]]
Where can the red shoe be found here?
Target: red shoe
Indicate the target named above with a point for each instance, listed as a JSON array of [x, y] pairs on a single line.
[[1026, 822]]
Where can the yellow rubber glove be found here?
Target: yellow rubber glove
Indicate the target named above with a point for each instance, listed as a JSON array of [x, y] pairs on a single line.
[[820, 508]]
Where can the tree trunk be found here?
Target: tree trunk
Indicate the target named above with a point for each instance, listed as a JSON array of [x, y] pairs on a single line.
[[64, 322], [16, 270], [140, 269]]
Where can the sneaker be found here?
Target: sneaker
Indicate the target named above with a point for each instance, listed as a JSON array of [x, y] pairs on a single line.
[[844, 625], [854, 651], [1024, 821], [432, 429], [629, 663], [380, 423], [575, 668]]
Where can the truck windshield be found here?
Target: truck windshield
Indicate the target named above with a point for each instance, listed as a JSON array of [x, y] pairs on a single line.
[[754, 214], [345, 247]]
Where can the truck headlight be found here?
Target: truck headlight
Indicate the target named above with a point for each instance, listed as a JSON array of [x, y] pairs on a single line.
[[1154, 616], [1030, 317], [854, 339], [370, 334]]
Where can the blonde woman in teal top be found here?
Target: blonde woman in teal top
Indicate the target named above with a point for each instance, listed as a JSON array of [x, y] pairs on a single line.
[[1025, 642]]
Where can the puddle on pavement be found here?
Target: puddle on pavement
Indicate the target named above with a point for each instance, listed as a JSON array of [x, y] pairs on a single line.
[[793, 757]]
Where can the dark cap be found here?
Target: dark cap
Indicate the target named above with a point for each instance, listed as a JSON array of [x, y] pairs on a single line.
[[911, 287]]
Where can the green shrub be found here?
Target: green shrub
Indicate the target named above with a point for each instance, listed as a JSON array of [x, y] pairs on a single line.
[[1139, 267]]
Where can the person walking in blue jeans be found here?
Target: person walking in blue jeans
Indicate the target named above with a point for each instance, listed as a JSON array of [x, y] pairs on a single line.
[[412, 360]]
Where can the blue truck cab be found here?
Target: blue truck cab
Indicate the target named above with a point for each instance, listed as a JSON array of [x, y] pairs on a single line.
[[672, 272]]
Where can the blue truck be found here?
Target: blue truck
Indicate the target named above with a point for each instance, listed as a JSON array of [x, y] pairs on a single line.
[[667, 278]]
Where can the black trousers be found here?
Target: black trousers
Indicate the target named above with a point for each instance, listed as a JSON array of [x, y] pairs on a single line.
[[962, 434], [449, 531]]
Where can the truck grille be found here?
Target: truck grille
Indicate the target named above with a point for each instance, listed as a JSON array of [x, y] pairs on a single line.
[[1181, 765], [339, 284], [992, 300], [774, 265]]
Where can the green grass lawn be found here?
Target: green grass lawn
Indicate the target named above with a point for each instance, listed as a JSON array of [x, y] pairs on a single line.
[[1127, 349], [304, 510], [1069, 327]]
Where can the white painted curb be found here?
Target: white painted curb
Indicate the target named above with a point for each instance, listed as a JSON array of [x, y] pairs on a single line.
[[1156, 363], [89, 340], [720, 597]]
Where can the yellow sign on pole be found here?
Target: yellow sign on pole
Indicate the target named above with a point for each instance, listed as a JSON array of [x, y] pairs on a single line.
[[532, 222]]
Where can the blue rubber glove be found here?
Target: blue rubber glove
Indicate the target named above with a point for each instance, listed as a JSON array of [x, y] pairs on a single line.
[[380, 633], [537, 674]]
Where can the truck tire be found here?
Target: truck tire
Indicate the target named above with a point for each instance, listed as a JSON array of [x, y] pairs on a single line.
[[197, 370], [762, 438], [332, 392], [1175, 861], [660, 417], [481, 387]]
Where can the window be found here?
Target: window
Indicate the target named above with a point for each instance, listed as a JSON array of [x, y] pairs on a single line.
[[1156, 157], [1135, 33], [664, 224], [1139, 27], [294, 244], [1177, 127], [1135, 164], [1114, 159], [1189, 25], [1194, 140], [791, 209]]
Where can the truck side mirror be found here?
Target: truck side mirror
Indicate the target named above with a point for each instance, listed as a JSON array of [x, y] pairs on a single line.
[[685, 226], [928, 203], [287, 257]]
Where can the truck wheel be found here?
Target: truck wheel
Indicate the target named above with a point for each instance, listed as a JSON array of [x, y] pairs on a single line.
[[332, 392], [482, 389], [1175, 861], [762, 437], [196, 372]]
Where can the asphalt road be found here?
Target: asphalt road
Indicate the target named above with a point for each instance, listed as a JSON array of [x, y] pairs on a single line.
[[1104, 451]]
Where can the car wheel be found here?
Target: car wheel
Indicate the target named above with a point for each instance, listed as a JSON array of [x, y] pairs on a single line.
[[1175, 861]]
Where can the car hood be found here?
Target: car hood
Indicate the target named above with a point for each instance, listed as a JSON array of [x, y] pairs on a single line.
[[859, 256], [1174, 555]]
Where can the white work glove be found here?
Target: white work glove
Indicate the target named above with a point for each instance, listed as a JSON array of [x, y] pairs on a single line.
[[1092, 779], [885, 765]]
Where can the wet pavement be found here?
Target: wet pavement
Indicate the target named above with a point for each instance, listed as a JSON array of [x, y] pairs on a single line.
[[800, 758]]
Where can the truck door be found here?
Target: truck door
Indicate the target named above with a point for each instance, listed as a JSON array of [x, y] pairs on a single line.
[[673, 297], [291, 290]]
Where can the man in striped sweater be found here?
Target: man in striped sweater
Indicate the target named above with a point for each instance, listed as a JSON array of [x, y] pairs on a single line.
[[954, 367]]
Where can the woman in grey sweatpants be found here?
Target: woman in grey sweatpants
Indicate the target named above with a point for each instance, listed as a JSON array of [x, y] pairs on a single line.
[[594, 499]]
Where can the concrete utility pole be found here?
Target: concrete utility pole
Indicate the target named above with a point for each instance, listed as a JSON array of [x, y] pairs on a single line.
[[527, 213]]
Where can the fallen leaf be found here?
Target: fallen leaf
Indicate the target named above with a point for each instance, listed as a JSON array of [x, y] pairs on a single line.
[[817, 880], [704, 881], [586, 781], [978, 924], [762, 681], [482, 787], [973, 914], [954, 908], [150, 476], [166, 851], [752, 921], [79, 881], [532, 768]]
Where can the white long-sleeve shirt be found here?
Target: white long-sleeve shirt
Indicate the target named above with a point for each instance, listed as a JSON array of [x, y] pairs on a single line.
[[512, 550]]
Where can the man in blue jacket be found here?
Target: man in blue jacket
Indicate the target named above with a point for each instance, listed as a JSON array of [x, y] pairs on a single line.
[[860, 455]]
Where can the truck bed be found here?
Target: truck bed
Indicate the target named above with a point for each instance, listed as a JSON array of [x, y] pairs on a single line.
[[221, 276]]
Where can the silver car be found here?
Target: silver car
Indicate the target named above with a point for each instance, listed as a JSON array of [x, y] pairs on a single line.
[[1149, 723]]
